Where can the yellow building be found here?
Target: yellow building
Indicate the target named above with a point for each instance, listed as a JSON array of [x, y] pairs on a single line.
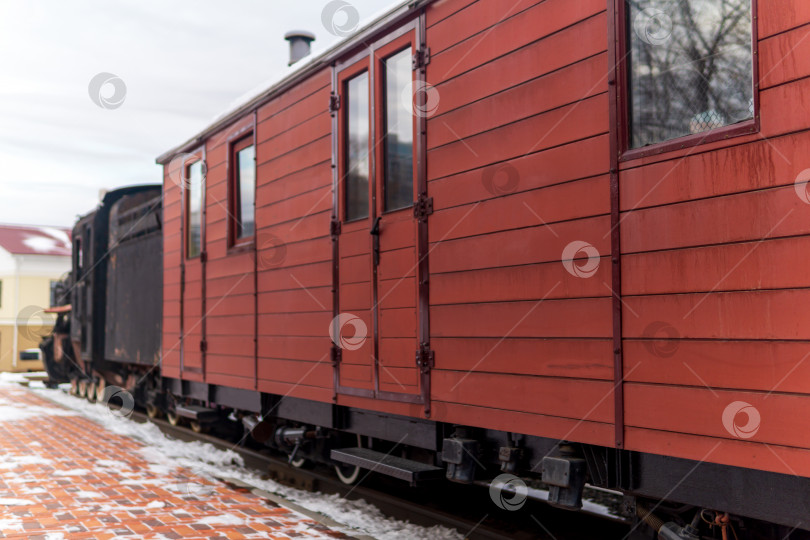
[[31, 258]]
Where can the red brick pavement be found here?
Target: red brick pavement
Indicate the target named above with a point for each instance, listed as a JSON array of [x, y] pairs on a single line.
[[64, 476]]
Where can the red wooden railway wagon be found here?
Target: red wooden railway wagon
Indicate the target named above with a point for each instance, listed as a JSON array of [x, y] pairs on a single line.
[[577, 229]]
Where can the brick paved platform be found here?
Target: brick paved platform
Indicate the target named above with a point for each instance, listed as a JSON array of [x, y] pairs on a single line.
[[63, 476]]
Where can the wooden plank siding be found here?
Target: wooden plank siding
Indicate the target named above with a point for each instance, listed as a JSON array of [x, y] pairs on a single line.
[[714, 287], [293, 209], [172, 280], [520, 342]]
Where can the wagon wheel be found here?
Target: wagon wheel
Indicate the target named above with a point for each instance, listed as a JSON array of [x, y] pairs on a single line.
[[197, 427], [174, 418], [101, 385], [346, 473], [90, 391]]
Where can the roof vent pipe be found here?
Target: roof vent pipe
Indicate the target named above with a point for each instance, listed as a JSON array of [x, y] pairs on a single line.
[[299, 44]]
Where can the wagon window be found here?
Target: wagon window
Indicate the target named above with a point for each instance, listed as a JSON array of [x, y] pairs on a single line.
[[398, 146], [194, 209], [244, 188], [690, 67], [357, 143]]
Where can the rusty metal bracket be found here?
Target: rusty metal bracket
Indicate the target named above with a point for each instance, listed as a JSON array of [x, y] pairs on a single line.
[[421, 58], [337, 355], [334, 102], [425, 358], [423, 207], [334, 227]]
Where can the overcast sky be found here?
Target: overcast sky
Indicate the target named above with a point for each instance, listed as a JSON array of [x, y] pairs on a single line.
[[183, 62]]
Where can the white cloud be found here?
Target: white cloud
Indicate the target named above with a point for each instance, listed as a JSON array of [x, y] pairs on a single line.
[[183, 62]]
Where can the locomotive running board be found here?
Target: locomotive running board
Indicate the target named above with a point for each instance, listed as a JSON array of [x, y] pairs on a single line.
[[404, 469]]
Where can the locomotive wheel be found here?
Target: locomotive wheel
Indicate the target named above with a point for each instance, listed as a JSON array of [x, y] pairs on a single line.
[[74, 387], [152, 411], [300, 463], [90, 391], [101, 384], [82, 388]]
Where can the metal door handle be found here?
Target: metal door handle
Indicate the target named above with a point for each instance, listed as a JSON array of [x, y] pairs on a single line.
[[375, 232]]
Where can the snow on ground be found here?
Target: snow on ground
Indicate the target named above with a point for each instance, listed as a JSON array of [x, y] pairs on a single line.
[[11, 524], [15, 502], [210, 463], [12, 410], [8, 377]]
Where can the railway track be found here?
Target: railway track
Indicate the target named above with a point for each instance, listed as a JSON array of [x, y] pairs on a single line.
[[468, 509]]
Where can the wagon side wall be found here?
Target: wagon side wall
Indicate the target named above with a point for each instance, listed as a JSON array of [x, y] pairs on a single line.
[[518, 169], [714, 240]]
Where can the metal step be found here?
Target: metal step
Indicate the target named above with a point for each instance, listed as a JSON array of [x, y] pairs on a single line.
[[197, 412], [404, 469]]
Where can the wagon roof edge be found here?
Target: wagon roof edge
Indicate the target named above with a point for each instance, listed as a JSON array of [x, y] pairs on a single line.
[[390, 17]]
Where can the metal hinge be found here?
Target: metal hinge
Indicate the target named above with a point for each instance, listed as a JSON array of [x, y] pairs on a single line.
[[425, 359], [203, 345], [423, 207], [337, 355], [421, 58], [334, 227], [334, 102]]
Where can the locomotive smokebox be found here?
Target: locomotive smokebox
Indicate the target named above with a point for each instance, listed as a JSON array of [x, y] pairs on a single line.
[[300, 41]]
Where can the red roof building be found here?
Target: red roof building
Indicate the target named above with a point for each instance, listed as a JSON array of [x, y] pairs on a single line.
[[34, 240]]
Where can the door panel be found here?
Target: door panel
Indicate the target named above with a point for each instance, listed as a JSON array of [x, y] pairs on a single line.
[[193, 302], [377, 247]]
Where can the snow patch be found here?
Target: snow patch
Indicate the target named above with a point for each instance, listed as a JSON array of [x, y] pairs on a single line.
[[17, 412], [72, 472], [87, 494], [9, 377], [58, 234], [11, 462], [226, 519], [42, 244], [15, 502], [11, 524]]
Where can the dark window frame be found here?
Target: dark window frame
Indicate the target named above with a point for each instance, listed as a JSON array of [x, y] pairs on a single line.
[[187, 208], [235, 145], [356, 68], [390, 50], [626, 151], [372, 61]]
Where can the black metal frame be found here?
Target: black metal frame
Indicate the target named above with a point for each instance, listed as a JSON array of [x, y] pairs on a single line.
[[771, 497]]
